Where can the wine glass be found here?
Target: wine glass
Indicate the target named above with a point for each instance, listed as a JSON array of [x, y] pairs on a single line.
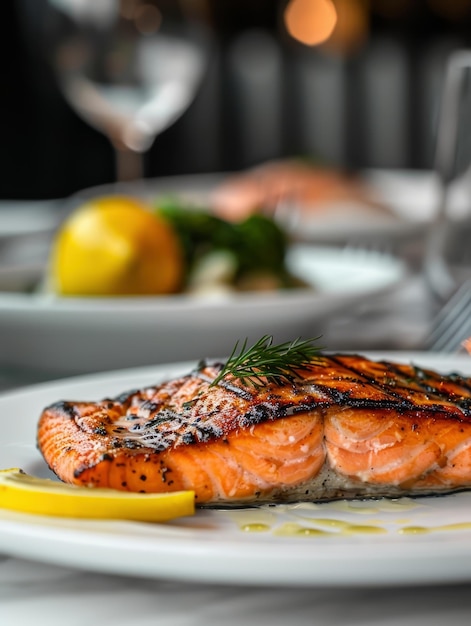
[[129, 68], [447, 256]]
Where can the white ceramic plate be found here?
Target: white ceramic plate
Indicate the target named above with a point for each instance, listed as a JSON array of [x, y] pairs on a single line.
[[79, 335], [219, 546]]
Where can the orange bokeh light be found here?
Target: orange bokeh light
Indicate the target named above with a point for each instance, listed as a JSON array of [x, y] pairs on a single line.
[[310, 21]]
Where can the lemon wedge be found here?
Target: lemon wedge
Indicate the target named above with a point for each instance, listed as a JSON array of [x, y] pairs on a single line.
[[115, 246], [28, 494]]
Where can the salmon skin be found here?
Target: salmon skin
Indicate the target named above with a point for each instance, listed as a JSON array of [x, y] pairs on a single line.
[[346, 427]]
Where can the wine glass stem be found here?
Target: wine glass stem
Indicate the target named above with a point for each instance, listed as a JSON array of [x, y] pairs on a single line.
[[129, 165]]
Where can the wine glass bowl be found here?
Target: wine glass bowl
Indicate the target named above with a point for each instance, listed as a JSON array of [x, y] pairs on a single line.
[[129, 68]]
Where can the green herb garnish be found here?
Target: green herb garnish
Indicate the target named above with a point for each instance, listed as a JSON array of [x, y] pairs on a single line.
[[264, 362], [257, 244]]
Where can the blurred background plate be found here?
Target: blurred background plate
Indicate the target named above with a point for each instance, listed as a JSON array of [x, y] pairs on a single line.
[[402, 202], [410, 198], [26, 229], [20, 218], [75, 335], [414, 195]]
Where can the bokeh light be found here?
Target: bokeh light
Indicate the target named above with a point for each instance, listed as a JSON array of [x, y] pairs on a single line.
[[310, 22], [148, 19]]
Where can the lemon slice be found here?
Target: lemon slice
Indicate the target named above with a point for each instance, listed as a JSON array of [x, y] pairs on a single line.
[[115, 246], [28, 494]]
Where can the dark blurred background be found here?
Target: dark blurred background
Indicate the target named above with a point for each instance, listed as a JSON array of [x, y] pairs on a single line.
[[367, 98]]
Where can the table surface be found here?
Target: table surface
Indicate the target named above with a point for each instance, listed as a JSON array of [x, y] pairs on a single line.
[[37, 593]]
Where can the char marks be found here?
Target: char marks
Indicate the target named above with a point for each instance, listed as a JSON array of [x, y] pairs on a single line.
[[189, 411], [408, 387]]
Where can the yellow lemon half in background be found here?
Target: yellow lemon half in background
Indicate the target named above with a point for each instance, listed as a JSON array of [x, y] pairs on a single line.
[[24, 493], [115, 245]]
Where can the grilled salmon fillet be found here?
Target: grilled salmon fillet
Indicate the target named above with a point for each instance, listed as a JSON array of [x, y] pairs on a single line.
[[346, 427]]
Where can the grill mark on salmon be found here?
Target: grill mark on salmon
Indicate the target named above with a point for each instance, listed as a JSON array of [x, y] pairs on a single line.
[[346, 427]]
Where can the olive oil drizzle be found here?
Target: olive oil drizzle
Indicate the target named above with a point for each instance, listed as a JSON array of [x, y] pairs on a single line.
[[299, 520]]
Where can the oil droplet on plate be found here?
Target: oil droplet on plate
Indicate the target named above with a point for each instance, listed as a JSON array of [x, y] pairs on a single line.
[[347, 528], [255, 528], [457, 526], [363, 529], [422, 530], [290, 529], [252, 519], [413, 530], [329, 523]]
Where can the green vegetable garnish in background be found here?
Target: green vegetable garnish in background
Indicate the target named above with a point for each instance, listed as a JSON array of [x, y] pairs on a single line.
[[264, 361], [262, 244], [200, 232], [256, 245]]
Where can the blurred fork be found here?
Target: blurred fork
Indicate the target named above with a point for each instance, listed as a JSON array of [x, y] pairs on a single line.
[[452, 324]]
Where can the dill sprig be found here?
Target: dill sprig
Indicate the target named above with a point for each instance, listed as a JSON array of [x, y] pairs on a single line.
[[264, 362]]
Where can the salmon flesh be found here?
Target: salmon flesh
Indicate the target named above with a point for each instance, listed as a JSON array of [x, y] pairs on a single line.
[[345, 427]]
